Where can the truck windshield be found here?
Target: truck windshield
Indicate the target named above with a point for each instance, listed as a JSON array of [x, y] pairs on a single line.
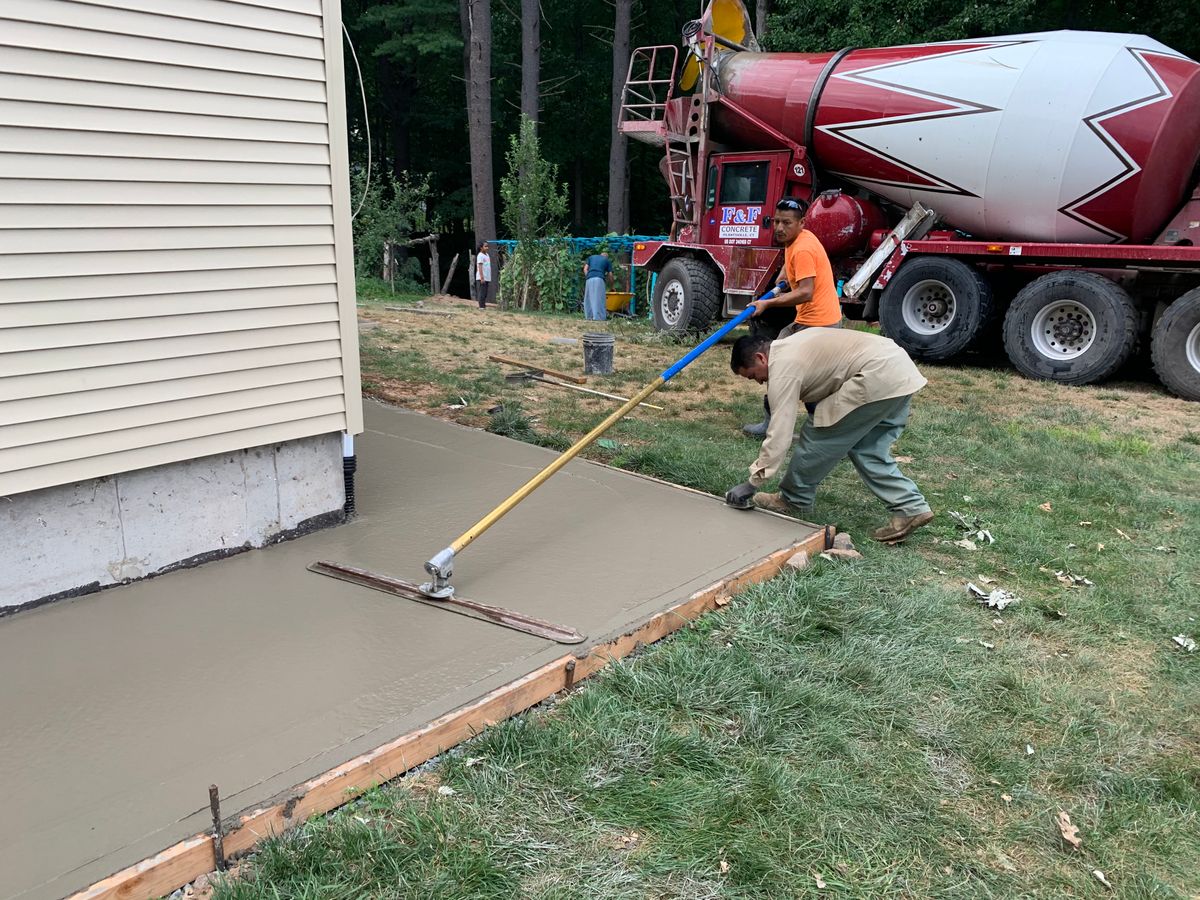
[[744, 183]]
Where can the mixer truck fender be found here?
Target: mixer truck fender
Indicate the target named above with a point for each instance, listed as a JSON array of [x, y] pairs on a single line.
[[1175, 346], [695, 283], [935, 307], [1071, 326], [687, 294]]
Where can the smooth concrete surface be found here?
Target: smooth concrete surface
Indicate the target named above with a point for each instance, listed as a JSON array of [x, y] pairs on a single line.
[[113, 530], [118, 709]]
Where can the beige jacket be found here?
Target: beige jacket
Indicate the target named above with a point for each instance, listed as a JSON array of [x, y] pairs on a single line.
[[839, 370]]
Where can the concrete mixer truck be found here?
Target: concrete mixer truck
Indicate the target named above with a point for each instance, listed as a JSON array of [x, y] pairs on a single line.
[[1036, 189]]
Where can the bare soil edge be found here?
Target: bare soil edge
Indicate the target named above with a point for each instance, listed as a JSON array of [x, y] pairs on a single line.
[[187, 860]]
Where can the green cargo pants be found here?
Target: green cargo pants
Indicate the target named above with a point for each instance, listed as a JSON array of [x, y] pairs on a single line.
[[866, 436]]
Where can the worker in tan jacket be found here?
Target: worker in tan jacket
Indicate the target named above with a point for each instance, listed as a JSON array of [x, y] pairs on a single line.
[[862, 385]]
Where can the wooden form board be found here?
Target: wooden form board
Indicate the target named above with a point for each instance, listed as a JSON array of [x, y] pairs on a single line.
[[189, 859]]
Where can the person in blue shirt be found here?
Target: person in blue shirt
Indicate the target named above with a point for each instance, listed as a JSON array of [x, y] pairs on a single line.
[[597, 274]]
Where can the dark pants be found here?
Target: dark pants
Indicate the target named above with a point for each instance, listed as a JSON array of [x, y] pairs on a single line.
[[481, 292], [865, 435]]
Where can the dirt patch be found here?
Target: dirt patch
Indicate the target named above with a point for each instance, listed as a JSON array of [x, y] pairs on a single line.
[[409, 394], [458, 346], [456, 350]]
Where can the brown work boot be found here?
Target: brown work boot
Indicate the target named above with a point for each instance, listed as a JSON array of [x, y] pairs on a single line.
[[901, 527], [775, 503]]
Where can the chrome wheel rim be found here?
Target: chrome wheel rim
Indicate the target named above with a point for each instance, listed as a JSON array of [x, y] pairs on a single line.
[[670, 304], [928, 307], [1191, 348], [1063, 329]]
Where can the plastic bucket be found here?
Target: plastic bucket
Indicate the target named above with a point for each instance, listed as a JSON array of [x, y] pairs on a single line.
[[598, 353]]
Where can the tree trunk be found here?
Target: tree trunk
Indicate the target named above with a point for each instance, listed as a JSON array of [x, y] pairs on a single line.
[[435, 266], [760, 18], [531, 57], [478, 36], [576, 88], [618, 172], [395, 89], [577, 196]]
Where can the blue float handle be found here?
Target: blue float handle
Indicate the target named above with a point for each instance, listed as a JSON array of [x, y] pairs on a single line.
[[696, 351]]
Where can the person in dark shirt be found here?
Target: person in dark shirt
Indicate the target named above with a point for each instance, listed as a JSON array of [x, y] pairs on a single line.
[[597, 274]]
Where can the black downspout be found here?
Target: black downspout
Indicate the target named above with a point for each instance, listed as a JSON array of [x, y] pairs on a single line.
[[349, 466]]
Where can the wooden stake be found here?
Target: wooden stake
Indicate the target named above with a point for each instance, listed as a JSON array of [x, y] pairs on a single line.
[[435, 267], [584, 390], [541, 370], [445, 314], [186, 861], [450, 273], [214, 804]]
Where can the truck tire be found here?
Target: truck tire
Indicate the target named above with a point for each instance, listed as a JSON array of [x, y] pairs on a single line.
[[1175, 346], [1070, 327], [687, 296], [935, 307]]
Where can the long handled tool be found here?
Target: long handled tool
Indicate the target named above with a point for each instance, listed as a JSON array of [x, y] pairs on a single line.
[[497, 615], [441, 566], [534, 376]]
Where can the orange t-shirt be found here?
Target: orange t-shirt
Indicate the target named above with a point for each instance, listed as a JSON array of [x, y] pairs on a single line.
[[806, 258]]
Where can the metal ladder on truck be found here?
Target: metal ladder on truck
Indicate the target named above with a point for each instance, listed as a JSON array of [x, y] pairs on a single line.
[[644, 116]]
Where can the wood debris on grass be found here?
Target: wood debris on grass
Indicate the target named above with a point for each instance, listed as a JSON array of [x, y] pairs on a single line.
[[1070, 579], [974, 528], [997, 598], [1068, 830], [837, 553]]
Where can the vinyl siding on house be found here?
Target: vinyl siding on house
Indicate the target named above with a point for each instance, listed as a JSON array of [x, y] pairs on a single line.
[[175, 264]]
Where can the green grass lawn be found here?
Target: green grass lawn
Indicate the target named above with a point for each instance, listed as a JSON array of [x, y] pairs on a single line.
[[860, 729]]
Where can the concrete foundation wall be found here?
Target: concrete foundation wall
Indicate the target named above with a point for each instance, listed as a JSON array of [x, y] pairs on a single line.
[[84, 536]]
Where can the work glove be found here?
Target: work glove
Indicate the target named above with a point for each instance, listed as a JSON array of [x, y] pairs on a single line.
[[742, 496]]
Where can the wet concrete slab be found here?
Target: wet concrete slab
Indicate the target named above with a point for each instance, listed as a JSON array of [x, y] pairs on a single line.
[[119, 709]]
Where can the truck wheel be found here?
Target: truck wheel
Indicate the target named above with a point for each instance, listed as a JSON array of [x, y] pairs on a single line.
[[1070, 327], [1175, 346], [687, 296], [935, 307]]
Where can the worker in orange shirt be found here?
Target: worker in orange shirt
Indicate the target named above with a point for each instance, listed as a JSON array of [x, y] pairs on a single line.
[[811, 290]]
